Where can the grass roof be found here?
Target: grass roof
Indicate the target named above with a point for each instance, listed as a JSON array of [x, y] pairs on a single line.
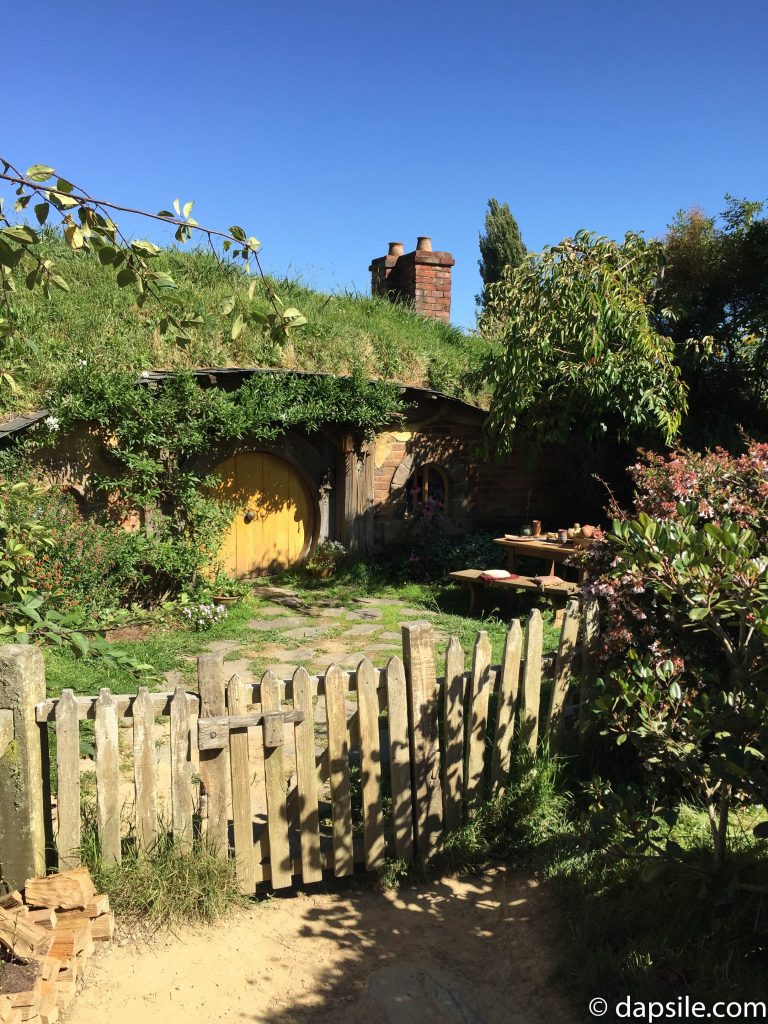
[[101, 323]]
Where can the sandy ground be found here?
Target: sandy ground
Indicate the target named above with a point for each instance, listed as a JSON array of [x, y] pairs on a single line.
[[460, 951]]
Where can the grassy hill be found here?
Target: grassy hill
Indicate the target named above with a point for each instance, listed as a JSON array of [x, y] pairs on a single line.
[[100, 322]]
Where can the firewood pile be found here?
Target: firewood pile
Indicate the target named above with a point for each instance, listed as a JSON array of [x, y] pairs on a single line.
[[47, 935]]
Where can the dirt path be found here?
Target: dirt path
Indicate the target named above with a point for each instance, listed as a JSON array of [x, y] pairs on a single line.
[[471, 951]]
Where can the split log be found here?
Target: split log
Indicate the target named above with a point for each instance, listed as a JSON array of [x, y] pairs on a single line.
[[69, 942], [101, 927], [11, 900], [30, 997], [69, 890], [45, 917], [65, 993], [22, 938], [97, 906]]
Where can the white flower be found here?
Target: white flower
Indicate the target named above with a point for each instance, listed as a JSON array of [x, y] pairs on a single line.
[[52, 422]]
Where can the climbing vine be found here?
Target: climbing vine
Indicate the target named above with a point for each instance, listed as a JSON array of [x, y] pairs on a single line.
[[151, 432]]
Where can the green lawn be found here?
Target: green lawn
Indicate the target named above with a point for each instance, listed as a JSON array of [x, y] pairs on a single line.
[[173, 646]]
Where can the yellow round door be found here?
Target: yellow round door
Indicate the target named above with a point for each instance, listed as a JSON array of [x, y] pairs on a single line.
[[272, 529]]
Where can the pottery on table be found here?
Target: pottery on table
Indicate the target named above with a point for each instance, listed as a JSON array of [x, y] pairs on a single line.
[[587, 531]]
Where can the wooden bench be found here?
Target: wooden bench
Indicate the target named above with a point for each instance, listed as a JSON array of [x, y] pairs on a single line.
[[558, 593]]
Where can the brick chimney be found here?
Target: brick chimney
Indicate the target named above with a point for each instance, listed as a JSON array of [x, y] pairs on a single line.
[[421, 278]]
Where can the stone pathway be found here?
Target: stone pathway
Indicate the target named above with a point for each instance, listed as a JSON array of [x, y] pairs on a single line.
[[314, 635]]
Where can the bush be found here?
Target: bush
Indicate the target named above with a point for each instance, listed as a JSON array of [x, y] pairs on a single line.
[[432, 554], [683, 653]]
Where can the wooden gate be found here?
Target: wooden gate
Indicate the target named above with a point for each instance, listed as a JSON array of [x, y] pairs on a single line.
[[312, 774]]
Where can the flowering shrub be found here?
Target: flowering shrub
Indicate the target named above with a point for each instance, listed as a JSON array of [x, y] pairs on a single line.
[[325, 559], [683, 646], [203, 616]]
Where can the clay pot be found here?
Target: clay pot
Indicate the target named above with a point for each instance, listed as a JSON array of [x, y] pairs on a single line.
[[396, 249], [587, 531], [536, 528], [424, 243]]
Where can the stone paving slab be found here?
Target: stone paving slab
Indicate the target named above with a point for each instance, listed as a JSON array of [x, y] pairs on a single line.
[[223, 646], [391, 635], [361, 630], [366, 613], [306, 632], [328, 613], [264, 625], [296, 655], [240, 667], [282, 670]]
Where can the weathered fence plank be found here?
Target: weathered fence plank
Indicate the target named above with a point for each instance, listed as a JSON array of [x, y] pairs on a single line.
[[562, 674], [370, 765], [306, 779], [145, 769], [531, 691], [240, 769], [107, 777], [421, 681], [591, 617], [182, 799], [214, 764], [399, 760], [338, 764], [454, 694], [477, 707], [508, 692], [68, 781], [281, 865]]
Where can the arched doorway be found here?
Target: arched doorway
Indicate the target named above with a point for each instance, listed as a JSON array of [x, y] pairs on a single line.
[[275, 521]]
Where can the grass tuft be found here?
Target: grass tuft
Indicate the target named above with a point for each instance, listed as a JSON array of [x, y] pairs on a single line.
[[165, 886]]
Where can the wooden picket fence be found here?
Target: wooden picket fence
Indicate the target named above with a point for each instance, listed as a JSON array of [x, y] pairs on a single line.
[[291, 777]]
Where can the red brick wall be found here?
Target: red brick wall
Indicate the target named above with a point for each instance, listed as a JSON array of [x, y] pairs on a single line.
[[483, 494]]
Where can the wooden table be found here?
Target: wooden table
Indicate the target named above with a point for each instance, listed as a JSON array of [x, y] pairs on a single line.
[[550, 550]]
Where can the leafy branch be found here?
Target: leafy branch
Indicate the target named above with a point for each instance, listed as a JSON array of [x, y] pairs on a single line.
[[87, 225]]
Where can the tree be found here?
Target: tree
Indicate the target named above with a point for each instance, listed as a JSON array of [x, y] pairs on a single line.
[[576, 351], [716, 281], [501, 246], [87, 225]]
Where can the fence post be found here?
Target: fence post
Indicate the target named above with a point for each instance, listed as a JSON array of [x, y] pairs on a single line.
[[421, 688], [214, 764], [22, 828], [591, 615]]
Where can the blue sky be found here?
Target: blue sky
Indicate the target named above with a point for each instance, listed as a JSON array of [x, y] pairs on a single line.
[[329, 129]]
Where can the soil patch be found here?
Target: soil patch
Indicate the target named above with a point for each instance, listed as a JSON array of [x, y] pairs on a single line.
[[470, 951]]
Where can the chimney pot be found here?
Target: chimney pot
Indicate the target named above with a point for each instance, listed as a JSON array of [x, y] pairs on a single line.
[[421, 278]]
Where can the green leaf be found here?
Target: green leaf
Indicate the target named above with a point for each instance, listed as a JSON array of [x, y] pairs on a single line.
[[127, 276], [79, 642], [21, 233], [41, 212], [188, 208], [237, 327], [675, 692], [39, 172]]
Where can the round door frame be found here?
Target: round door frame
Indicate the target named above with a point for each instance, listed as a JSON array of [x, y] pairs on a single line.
[[221, 453]]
